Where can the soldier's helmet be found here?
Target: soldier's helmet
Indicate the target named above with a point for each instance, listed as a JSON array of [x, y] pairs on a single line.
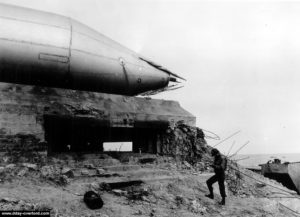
[[214, 152]]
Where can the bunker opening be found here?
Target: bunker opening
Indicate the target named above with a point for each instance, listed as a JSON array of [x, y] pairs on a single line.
[[117, 146], [88, 135]]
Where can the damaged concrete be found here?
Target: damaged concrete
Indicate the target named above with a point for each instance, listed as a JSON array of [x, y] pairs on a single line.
[[184, 142], [49, 120]]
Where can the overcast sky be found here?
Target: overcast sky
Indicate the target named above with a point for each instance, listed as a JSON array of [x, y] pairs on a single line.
[[241, 60]]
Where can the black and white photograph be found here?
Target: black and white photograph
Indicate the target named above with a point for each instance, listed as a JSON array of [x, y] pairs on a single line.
[[150, 108]]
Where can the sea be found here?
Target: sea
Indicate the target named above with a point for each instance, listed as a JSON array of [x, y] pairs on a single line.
[[253, 160]]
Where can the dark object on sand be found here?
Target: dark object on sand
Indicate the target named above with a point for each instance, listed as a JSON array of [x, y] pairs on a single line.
[[93, 200], [147, 160]]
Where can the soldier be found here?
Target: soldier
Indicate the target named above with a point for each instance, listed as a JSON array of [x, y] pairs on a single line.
[[220, 164]]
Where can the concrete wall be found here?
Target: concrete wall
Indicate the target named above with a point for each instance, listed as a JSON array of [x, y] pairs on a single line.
[[23, 109]]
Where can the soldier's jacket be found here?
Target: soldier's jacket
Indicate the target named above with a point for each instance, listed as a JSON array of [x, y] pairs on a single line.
[[220, 164]]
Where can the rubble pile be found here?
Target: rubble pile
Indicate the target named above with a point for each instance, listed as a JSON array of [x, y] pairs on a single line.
[[234, 179], [132, 190], [244, 183], [13, 171], [22, 148], [57, 174], [15, 204], [173, 184], [184, 142], [187, 144]]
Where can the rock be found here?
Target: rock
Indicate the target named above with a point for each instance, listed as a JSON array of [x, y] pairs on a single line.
[[47, 171], [63, 180], [67, 172], [260, 185], [196, 207], [243, 195], [94, 186], [43, 207], [200, 166], [137, 194], [144, 198], [180, 200], [100, 171], [30, 166], [22, 203], [85, 172], [2, 169], [153, 211], [187, 165], [23, 171], [119, 168], [107, 175], [22, 159], [103, 186], [173, 206], [9, 200], [119, 192], [139, 212], [93, 200], [110, 162], [89, 166], [10, 166], [5, 159]]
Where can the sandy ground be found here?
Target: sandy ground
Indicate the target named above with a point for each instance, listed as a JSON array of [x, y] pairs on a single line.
[[172, 190]]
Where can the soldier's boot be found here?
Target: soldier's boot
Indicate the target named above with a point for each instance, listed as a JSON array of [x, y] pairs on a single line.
[[211, 193], [222, 202], [211, 196], [211, 190]]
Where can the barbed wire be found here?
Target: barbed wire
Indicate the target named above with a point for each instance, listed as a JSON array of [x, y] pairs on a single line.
[[216, 136], [232, 135]]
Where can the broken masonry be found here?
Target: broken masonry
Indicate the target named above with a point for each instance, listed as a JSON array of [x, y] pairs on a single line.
[[36, 122]]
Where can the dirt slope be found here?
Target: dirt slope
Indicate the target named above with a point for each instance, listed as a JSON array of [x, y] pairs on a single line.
[[168, 188]]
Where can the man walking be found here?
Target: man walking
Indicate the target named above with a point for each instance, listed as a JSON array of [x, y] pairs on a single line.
[[220, 164]]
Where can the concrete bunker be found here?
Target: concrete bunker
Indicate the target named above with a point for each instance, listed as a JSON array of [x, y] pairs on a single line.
[[50, 120], [88, 135]]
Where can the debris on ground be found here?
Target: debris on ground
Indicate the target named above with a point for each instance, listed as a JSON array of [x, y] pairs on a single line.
[[30, 166], [171, 184], [137, 193], [147, 160], [196, 207], [119, 192], [67, 172], [15, 204]]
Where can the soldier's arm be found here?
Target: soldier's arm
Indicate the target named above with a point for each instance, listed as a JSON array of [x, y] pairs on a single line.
[[218, 163]]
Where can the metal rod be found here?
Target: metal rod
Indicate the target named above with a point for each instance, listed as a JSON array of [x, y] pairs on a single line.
[[230, 148], [245, 158], [239, 149], [227, 138]]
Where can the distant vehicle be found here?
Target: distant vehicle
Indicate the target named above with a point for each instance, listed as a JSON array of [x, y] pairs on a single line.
[[40, 48], [286, 173]]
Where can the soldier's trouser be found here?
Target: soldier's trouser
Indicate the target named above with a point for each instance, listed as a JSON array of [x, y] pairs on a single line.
[[220, 178]]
